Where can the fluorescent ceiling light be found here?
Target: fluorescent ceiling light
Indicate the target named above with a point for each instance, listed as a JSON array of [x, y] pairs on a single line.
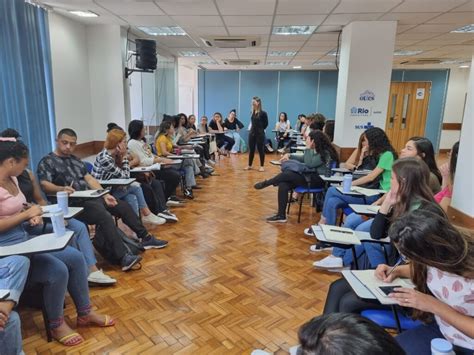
[[282, 54], [323, 63], [406, 53], [293, 30], [207, 62], [278, 63], [453, 61], [297, 67], [464, 66], [193, 53], [162, 30], [86, 13], [333, 52], [464, 29]]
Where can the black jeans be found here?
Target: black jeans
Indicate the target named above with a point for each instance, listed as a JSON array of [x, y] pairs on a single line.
[[341, 298], [154, 195], [257, 139], [171, 178], [224, 141], [288, 180]]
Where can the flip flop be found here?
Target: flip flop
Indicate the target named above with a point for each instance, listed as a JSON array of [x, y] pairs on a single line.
[[65, 340], [108, 322]]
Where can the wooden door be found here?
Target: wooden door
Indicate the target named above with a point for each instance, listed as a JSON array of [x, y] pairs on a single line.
[[407, 110]]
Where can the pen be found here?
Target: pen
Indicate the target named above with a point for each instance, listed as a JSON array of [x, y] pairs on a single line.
[[394, 266], [339, 231]]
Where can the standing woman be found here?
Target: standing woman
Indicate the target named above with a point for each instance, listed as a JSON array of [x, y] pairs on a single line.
[[259, 121]]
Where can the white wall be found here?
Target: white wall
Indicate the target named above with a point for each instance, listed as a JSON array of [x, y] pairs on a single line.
[[70, 68], [455, 101], [187, 88]]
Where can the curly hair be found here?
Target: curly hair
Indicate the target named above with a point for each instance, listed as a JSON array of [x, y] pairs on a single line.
[[379, 142], [323, 146]]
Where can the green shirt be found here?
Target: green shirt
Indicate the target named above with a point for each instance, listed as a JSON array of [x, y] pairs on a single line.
[[311, 159], [385, 162]]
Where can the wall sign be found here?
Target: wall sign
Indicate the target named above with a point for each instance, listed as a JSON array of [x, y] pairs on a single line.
[[420, 93], [367, 95]]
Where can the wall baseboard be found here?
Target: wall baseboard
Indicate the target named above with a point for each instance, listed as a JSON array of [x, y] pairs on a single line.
[[86, 149], [460, 218]]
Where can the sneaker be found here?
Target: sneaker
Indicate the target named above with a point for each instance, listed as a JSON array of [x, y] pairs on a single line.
[[339, 269], [276, 219], [281, 150], [98, 277], [329, 262], [308, 232], [153, 219], [129, 261], [196, 187], [315, 248], [150, 242], [260, 185], [168, 216], [261, 169], [189, 194], [212, 162]]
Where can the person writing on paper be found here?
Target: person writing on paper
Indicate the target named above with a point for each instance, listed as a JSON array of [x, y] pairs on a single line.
[[62, 171], [379, 146], [448, 170], [441, 265], [259, 122], [318, 156], [232, 126], [409, 190], [58, 271], [139, 148]]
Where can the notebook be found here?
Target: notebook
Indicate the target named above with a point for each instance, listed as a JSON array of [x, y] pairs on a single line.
[[340, 235], [275, 162]]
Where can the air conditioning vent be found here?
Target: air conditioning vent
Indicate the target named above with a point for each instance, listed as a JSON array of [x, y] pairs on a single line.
[[422, 61], [240, 62], [232, 42]]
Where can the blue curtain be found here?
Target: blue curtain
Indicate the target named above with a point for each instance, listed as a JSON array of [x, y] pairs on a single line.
[[26, 90]]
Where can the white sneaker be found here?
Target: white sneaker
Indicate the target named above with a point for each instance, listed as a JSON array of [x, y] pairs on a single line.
[[168, 216], [153, 219], [308, 232], [316, 248], [329, 262], [260, 352], [98, 277], [281, 150], [339, 269]]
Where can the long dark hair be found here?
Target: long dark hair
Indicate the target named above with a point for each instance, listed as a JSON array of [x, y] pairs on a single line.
[[285, 116], [135, 129], [164, 127], [12, 148], [453, 161], [323, 146], [427, 238], [424, 148], [413, 178], [379, 142], [329, 129]]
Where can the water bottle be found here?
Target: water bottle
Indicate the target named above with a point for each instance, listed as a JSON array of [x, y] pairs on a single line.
[[440, 346], [63, 201], [57, 220], [347, 183]]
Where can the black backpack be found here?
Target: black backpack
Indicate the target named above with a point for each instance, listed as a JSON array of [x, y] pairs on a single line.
[[133, 246]]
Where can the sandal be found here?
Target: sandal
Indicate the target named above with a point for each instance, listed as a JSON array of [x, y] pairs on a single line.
[[108, 322], [68, 340]]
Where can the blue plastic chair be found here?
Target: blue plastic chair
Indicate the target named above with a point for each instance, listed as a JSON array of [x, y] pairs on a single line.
[[303, 191], [89, 166], [390, 319]]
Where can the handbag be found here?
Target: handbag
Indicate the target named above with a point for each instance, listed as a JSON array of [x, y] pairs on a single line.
[[295, 166]]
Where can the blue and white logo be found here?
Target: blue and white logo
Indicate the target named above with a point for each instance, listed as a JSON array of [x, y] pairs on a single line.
[[364, 126], [359, 111], [367, 95]]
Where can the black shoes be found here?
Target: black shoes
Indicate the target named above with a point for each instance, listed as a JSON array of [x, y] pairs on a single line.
[[188, 193], [261, 185], [276, 219]]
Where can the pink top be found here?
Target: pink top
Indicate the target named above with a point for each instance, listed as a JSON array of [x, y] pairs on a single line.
[[457, 292], [9, 204], [446, 192]]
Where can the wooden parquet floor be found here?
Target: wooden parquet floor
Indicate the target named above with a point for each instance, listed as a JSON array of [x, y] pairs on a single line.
[[227, 283]]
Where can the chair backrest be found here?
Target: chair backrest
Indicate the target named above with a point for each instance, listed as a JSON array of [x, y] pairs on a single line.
[[89, 166], [153, 148]]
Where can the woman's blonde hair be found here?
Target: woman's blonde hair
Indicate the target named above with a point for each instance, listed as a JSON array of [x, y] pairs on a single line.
[[259, 101]]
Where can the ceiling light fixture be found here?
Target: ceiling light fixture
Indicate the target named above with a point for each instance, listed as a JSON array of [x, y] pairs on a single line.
[[453, 61], [293, 30], [297, 67], [278, 63], [193, 53], [282, 54], [321, 63], [207, 62], [162, 30], [406, 52], [464, 29], [464, 66], [86, 13], [332, 52]]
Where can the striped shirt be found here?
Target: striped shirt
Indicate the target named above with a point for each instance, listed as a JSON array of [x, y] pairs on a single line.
[[105, 167]]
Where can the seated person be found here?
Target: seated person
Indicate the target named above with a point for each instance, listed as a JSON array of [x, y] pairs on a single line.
[[232, 126], [329, 127], [203, 127], [379, 147], [112, 163], [356, 159], [216, 126], [283, 132], [319, 154], [442, 269], [58, 271], [448, 170], [192, 123], [138, 147], [13, 273], [62, 171]]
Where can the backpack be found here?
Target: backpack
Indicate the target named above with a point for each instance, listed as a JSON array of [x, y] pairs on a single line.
[[100, 244]]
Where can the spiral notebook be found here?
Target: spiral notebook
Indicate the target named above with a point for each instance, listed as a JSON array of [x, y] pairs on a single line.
[[340, 235]]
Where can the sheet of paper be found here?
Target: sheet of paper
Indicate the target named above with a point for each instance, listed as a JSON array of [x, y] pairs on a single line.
[[364, 209], [340, 235], [121, 182], [89, 194]]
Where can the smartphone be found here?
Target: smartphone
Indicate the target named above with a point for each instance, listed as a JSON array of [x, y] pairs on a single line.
[[98, 192], [388, 289]]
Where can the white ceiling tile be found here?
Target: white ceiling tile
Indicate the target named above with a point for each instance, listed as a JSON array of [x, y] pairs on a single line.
[[365, 6], [417, 36], [422, 47], [322, 29], [469, 6], [403, 28], [455, 38], [301, 39], [182, 42], [182, 8], [405, 18], [206, 30], [286, 20], [246, 7], [458, 18], [324, 37], [149, 20], [406, 42], [344, 19], [234, 21], [198, 20], [432, 5], [431, 29], [255, 31], [131, 8], [305, 7]]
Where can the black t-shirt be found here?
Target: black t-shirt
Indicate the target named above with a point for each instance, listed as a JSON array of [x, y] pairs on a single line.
[[213, 125], [233, 125], [259, 122]]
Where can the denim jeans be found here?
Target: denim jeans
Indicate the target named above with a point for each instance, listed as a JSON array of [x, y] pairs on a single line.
[[335, 200], [236, 137], [10, 338], [189, 171], [133, 195], [357, 223], [13, 274]]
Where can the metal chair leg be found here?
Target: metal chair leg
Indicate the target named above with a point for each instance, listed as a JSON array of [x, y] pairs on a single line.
[[301, 204], [397, 319]]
